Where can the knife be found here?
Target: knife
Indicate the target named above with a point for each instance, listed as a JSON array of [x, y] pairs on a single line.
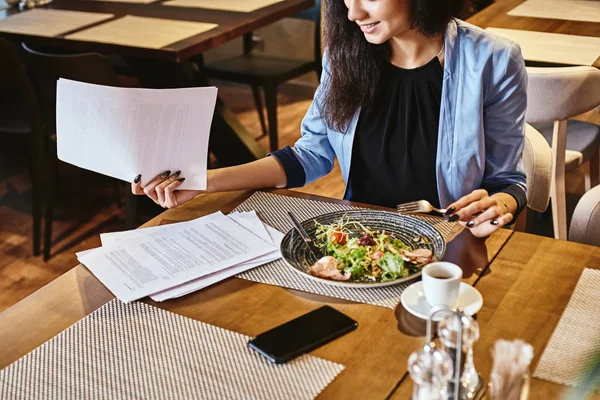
[[312, 247]]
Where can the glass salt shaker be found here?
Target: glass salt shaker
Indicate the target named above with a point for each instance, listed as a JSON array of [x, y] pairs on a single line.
[[448, 331], [430, 370]]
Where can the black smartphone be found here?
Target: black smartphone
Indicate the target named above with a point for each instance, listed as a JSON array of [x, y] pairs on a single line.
[[303, 334]]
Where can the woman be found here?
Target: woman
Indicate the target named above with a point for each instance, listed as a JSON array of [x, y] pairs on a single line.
[[415, 105]]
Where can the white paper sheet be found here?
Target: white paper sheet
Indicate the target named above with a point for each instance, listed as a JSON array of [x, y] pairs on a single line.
[[163, 259], [111, 239], [253, 223], [248, 220], [84, 252], [123, 132], [211, 279]]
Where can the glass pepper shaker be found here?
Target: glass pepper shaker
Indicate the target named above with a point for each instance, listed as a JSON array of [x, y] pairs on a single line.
[[430, 370], [448, 332]]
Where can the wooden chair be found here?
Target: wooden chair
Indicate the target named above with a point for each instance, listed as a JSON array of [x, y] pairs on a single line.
[[554, 96], [46, 69], [268, 72], [19, 114], [537, 161], [585, 225]]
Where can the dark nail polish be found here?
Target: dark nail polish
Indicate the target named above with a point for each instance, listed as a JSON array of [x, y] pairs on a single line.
[[181, 179], [453, 218], [450, 211], [494, 222], [165, 174], [470, 224], [137, 178], [176, 174]]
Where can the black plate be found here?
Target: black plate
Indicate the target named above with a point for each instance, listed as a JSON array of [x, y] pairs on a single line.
[[404, 227]]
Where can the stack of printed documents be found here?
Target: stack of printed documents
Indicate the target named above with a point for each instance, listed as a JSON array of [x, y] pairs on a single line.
[[170, 261]]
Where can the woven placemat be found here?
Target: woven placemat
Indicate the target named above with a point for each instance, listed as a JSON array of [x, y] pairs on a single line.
[[273, 208], [575, 341], [137, 351]]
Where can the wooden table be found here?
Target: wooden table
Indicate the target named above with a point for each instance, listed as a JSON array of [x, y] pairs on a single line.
[[377, 352], [525, 292], [496, 16], [171, 66], [231, 26]]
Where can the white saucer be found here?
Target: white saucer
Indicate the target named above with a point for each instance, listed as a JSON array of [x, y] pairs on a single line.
[[413, 299]]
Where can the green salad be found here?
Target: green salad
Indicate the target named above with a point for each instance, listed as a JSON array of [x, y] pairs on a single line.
[[369, 256]]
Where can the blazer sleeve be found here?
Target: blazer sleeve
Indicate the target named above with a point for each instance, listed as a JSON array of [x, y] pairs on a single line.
[[312, 156], [504, 121]]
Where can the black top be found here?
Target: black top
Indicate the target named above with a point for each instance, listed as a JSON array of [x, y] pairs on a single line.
[[395, 144]]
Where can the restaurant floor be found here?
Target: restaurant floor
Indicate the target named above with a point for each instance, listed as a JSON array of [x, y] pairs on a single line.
[[87, 206]]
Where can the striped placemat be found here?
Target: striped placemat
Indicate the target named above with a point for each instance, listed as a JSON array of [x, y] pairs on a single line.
[[574, 345], [273, 208], [137, 351]]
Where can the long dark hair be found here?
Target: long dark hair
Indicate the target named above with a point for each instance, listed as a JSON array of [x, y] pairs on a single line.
[[355, 65]]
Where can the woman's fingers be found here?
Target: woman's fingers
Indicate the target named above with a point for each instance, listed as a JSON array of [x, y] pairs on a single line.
[[479, 212], [454, 208], [486, 228], [171, 197], [163, 189], [505, 219], [486, 216], [136, 185], [149, 189], [478, 207], [160, 188], [472, 210]]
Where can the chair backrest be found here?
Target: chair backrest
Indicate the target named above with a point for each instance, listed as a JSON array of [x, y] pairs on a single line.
[[15, 84], [585, 225], [556, 94], [537, 160], [46, 69], [312, 14]]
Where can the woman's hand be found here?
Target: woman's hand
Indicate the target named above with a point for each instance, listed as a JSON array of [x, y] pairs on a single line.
[[162, 189], [481, 213]]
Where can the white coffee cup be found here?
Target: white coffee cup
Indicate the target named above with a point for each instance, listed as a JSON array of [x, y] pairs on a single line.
[[441, 282]]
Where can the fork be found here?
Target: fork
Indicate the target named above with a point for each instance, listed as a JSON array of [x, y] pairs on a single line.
[[419, 206]]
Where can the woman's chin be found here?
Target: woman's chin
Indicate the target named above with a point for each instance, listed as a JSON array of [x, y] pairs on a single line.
[[375, 39]]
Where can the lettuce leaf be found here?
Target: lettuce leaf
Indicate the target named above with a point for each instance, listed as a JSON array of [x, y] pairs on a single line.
[[392, 266]]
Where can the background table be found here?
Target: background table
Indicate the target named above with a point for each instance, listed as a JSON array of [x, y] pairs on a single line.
[[171, 66], [375, 355], [496, 15], [231, 25]]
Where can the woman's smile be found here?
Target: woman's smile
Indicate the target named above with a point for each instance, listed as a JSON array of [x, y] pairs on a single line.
[[368, 28]]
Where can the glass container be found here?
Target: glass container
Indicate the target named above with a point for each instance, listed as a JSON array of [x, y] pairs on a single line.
[[430, 370], [448, 332]]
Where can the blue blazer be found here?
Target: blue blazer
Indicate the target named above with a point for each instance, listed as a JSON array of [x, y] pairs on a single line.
[[481, 126]]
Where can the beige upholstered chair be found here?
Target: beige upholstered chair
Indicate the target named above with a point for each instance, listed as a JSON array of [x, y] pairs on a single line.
[[555, 95], [585, 225], [537, 160]]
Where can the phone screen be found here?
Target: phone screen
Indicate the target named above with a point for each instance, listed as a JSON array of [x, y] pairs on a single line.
[[302, 334]]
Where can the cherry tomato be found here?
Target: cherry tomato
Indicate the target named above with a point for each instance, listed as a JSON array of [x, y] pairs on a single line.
[[338, 237]]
